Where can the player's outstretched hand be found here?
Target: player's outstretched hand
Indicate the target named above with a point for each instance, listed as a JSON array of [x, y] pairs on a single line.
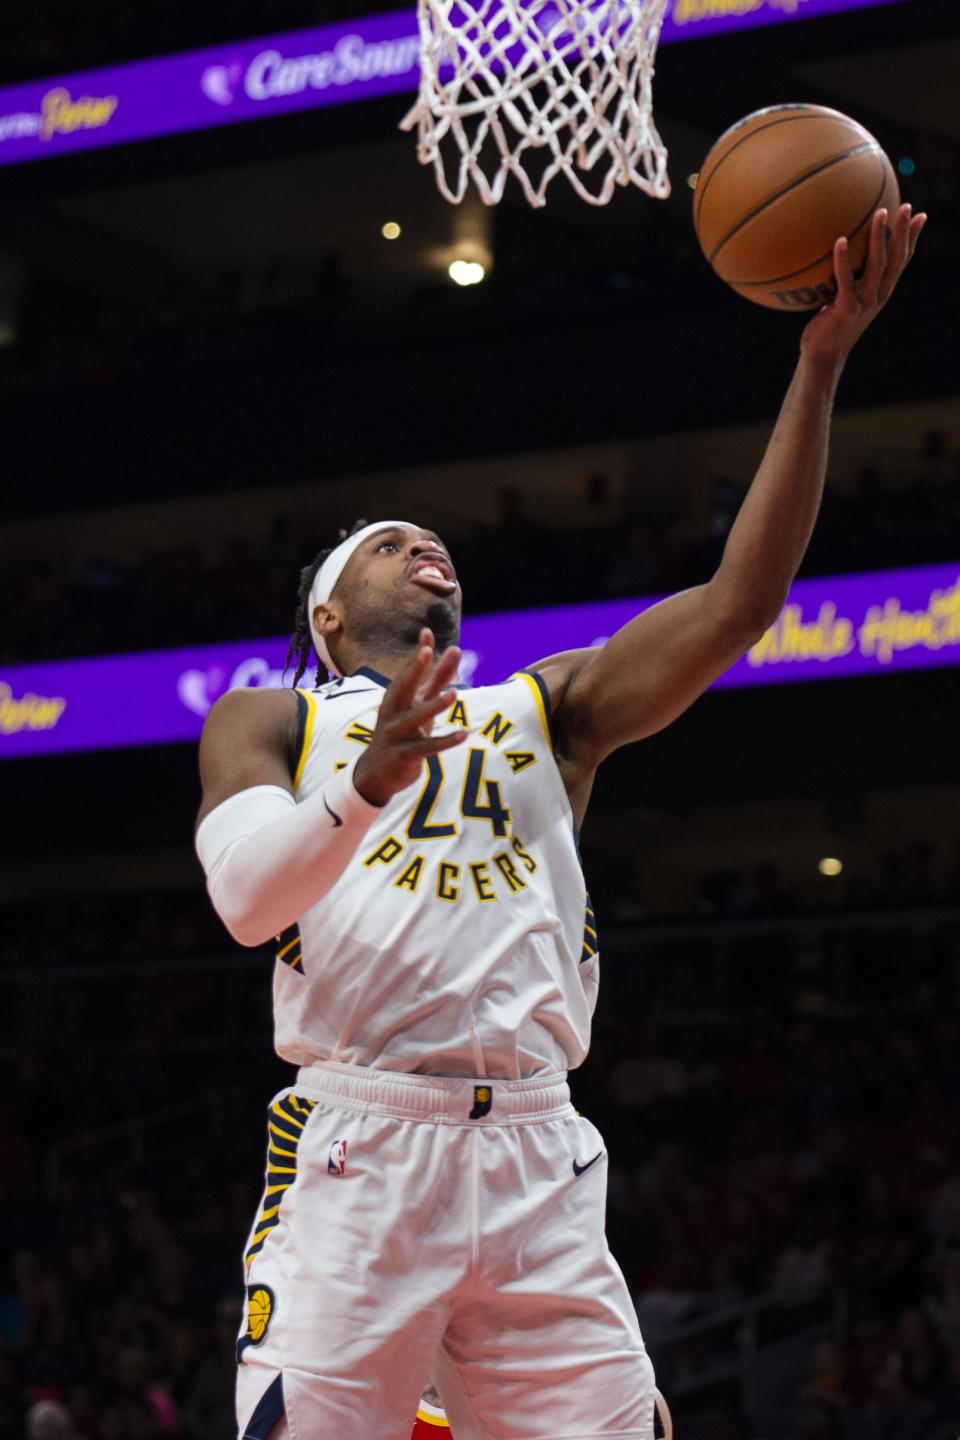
[[833, 331], [403, 735]]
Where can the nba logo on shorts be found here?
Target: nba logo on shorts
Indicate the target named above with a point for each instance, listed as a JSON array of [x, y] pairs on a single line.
[[337, 1162]]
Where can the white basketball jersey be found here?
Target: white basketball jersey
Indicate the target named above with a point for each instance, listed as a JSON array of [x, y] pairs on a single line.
[[460, 939]]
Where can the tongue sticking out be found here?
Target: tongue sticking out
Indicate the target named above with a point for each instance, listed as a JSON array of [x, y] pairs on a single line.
[[432, 575]]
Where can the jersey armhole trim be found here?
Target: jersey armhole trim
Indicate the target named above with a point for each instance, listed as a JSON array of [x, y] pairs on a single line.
[[307, 708], [542, 696]]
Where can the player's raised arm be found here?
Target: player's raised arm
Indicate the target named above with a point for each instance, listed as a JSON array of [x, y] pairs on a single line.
[[658, 664], [268, 859]]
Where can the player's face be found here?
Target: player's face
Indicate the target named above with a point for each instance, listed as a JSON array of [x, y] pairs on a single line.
[[398, 580]]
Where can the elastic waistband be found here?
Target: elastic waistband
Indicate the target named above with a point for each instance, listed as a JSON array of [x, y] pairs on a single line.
[[442, 1099]]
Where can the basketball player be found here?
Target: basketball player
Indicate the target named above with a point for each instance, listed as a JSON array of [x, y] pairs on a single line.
[[433, 1203]]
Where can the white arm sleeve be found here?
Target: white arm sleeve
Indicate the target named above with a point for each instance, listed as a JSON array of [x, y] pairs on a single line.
[[268, 859]]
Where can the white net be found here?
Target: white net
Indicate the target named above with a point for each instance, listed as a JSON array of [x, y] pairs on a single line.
[[535, 88]]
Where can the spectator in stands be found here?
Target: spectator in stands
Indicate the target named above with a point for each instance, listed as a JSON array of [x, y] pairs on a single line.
[[49, 1420], [915, 1378], [823, 1400], [942, 1303]]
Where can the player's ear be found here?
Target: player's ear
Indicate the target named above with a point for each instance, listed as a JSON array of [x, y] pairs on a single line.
[[327, 619]]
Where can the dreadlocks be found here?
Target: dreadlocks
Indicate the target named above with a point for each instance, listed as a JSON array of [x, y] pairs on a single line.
[[301, 642]]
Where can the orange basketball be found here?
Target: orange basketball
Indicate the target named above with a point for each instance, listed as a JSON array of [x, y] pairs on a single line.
[[775, 192]]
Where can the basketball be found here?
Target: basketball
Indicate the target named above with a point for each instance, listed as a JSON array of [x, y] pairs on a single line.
[[775, 192]]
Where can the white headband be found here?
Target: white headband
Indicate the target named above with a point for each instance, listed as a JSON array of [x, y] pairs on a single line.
[[330, 572]]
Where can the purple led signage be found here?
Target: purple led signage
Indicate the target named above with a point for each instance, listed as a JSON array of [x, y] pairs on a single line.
[[279, 74], [892, 620]]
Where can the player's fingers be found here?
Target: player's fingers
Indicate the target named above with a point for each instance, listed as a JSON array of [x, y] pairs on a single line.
[[899, 238], [408, 681], [445, 742], [877, 255], [843, 271], [443, 672], [906, 234], [439, 676], [424, 711], [430, 744], [913, 232]]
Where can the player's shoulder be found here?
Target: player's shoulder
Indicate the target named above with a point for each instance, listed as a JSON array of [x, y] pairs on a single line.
[[249, 738], [525, 680], [252, 711]]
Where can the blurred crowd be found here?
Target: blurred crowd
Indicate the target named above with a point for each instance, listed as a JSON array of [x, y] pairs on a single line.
[[809, 1154], [178, 594], [803, 1160], [285, 310], [910, 876], [120, 1299]]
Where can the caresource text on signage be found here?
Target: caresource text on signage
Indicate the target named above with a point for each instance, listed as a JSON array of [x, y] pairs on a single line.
[[275, 75], [841, 626]]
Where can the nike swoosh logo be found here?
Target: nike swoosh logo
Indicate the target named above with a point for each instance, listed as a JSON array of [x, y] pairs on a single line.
[[579, 1169], [332, 813], [338, 694]]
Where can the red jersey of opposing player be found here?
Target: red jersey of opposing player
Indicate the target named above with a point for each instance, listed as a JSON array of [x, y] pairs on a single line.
[[431, 1423]]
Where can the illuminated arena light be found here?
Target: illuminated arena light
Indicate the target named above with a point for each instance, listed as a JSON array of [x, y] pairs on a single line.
[[466, 272]]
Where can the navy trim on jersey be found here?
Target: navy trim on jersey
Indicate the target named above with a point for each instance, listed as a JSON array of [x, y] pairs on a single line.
[[303, 714], [371, 674], [545, 697], [385, 681], [289, 949], [591, 944], [268, 1413]]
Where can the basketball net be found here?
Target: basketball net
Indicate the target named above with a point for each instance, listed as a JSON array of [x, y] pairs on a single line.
[[536, 88]]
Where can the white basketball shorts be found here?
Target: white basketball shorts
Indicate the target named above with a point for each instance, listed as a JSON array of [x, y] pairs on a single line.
[[413, 1224]]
